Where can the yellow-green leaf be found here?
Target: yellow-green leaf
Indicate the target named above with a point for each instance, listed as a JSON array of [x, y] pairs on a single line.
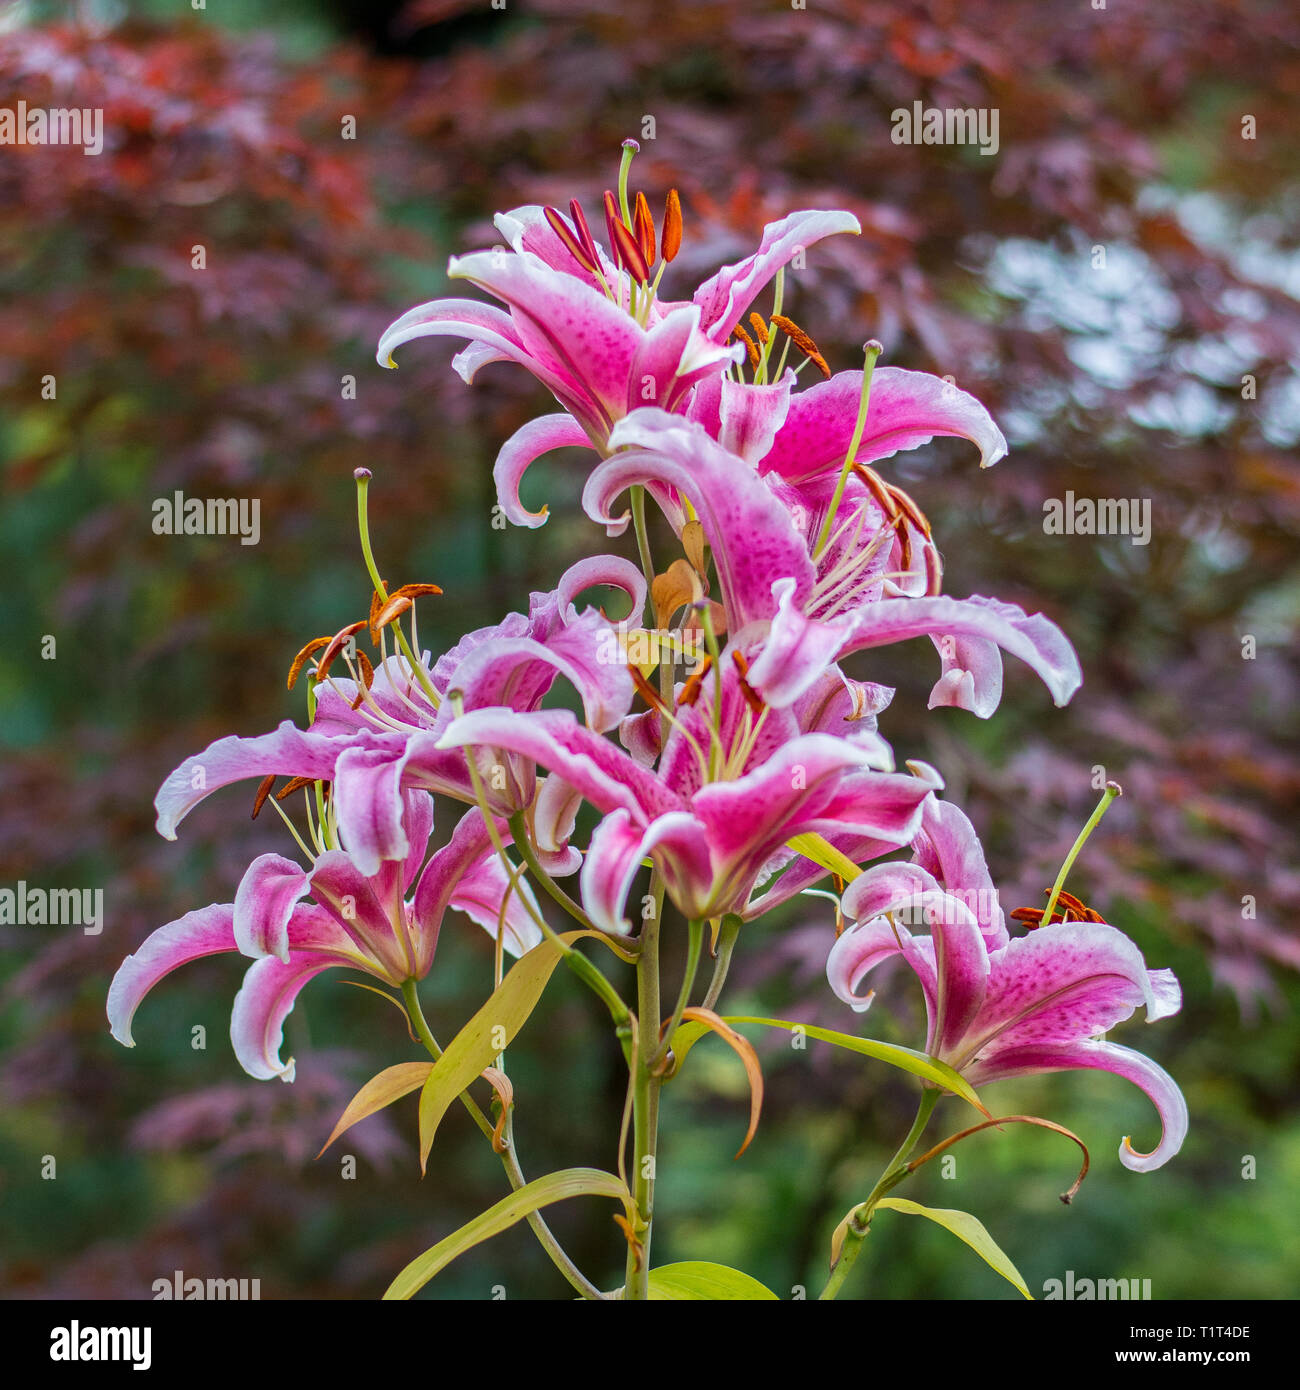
[[820, 850], [968, 1228], [697, 1279], [477, 1044], [389, 1085], [918, 1063], [541, 1192]]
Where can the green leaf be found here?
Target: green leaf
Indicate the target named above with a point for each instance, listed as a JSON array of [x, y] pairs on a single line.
[[968, 1228], [389, 1085], [474, 1047], [918, 1063], [697, 1279], [541, 1192]]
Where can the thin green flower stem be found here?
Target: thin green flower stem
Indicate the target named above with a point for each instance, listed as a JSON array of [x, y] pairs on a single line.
[[696, 929], [715, 653], [872, 350], [637, 495], [778, 298], [509, 1159], [625, 164], [363, 526], [293, 830], [586, 970], [860, 1218], [1113, 789], [645, 1113], [519, 833], [730, 930]]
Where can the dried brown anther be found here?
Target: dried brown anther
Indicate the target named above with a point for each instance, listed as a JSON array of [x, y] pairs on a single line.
[[300, 660], [694, 683], [751, 348], [263, 791], [752, 698], [802, 341], [671, 241]]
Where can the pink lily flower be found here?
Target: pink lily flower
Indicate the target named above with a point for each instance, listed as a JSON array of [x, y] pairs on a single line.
[[793, 617], [590, 327], [354, 920], [1000, 1006], [389, 742], [723, 802]]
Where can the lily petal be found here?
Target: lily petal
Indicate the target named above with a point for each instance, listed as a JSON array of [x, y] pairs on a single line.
[[265, 1000], [1147, 1075], [672, 357], [480, 894], [744, 418], [611, 865], [905, 410], [1036, 640], [867, 944], [971, 676], [287, 751], [948, 848], [753, 539], [525, 446], [610, 570], [796, 653], [204, 932], [264, 902], [724, 298], [1062, 982], [605, 775]]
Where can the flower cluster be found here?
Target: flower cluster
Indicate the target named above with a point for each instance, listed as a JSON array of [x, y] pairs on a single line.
[[742, 778]]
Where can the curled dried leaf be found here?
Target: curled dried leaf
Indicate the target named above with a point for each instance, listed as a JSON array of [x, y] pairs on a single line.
[[677, 586], [693, 543], [743, 1049]]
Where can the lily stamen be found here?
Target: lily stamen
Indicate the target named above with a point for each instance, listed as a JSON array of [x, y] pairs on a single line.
[[751, 348], [263, 791], [643, 227], [299, 661], [690, 691], [671, 240], [752, 698], [803, 342]]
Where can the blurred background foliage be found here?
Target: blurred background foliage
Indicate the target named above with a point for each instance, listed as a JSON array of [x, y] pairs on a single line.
[[1121, 128]]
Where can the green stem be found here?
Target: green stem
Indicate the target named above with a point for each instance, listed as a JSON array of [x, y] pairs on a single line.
[[582, 966], [872, 350], [642, 535], [696, 930], [362, 476], [519, 833], [727, 936], [509, 1159], [645, 1111], [859, 1222], [1113, 789]]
